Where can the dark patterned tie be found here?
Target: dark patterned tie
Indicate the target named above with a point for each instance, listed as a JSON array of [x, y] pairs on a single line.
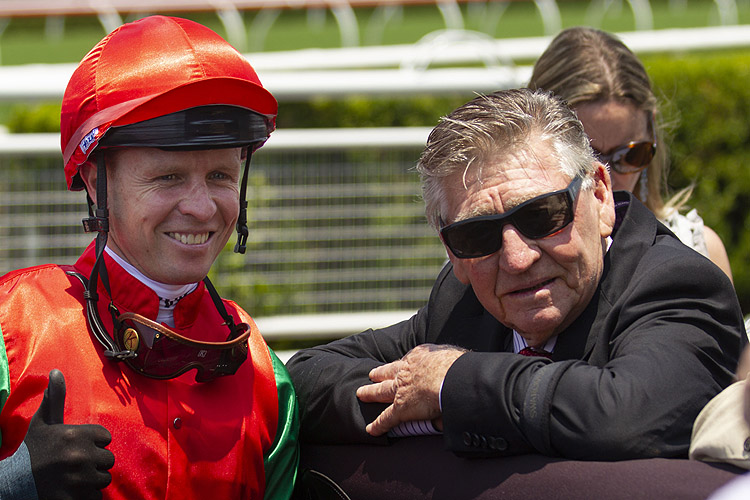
[[533, 351]]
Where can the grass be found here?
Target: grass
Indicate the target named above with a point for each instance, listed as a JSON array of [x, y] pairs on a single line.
[[24, 40]]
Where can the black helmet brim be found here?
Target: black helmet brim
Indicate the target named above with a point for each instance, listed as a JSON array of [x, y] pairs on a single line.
[[201, 127]]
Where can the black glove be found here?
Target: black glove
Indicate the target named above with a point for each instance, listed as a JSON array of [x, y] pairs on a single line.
[[68, 461]]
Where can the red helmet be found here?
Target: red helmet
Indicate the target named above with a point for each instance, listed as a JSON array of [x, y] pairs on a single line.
[[152, 68]]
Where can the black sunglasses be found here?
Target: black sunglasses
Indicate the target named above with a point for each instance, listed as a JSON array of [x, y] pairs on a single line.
[[630, 158], [535, 218]]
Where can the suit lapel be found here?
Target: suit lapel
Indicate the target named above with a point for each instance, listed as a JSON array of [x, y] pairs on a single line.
[[466, 323], [635, 233]]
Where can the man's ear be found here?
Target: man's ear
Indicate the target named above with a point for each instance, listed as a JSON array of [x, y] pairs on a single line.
[[87, 171], [605, 199]]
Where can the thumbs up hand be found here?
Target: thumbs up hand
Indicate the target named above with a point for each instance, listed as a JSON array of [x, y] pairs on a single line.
[[68, 461]]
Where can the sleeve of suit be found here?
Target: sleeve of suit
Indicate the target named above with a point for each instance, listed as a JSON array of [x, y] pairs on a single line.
[[326, 379], [669, 343]]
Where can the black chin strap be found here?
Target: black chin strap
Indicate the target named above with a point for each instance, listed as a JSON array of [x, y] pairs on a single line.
[[242, 231], [99, 222]]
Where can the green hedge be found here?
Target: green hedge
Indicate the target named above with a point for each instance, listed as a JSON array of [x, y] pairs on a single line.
[[22, 119], [706, 98]]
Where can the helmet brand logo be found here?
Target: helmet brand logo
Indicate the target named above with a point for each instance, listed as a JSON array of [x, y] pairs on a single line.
[[87, 141]]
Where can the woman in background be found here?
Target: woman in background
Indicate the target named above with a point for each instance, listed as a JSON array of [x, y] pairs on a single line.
[[608, 87]]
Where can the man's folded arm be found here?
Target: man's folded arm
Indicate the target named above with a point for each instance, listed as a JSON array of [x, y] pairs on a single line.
[[327, 377]]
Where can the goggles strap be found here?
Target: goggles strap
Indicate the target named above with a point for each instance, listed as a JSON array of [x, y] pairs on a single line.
[[242, 231], [95, 324]]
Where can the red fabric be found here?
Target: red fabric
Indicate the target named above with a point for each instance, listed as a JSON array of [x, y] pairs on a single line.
[[532, 351], [225, 426], [152, 67]]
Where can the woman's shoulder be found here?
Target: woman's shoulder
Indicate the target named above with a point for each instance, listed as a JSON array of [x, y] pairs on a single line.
[[689, 228]]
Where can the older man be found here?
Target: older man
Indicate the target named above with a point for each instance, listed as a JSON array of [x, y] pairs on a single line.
[[568, 322], [158, 387]]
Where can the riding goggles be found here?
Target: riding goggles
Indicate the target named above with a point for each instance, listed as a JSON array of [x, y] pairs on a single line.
[[162, 353], [535, 218], [156, 351], [630, 158]]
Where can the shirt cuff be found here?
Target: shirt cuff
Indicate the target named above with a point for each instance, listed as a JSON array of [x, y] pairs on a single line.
[[414, 428]]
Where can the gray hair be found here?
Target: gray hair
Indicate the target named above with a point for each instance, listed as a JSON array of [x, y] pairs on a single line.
[[498, 124]]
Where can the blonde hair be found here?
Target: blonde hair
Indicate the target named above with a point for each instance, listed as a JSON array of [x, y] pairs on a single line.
[[584, 65]]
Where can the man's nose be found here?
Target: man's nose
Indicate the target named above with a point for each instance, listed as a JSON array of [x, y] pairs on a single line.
[[198, 202], [518, 252]]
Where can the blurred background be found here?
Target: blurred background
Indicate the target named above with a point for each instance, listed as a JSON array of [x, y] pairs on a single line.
[[338, 240]]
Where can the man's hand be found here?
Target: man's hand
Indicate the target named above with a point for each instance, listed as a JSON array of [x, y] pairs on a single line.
[[68, 461], [411, 384]]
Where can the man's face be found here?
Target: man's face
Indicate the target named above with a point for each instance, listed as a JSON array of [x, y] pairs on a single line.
[[171, 212], [535, 286]]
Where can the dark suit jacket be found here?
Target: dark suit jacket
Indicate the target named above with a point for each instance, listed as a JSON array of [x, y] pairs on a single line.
[[660, 337]]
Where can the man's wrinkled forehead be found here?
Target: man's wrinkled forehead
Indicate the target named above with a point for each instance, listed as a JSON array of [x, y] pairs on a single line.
[[509, 179]]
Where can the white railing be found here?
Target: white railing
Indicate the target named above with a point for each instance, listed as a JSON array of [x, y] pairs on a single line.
[[325, 326], [280, 140], [47, 82], [395, 70], [463, 48]]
